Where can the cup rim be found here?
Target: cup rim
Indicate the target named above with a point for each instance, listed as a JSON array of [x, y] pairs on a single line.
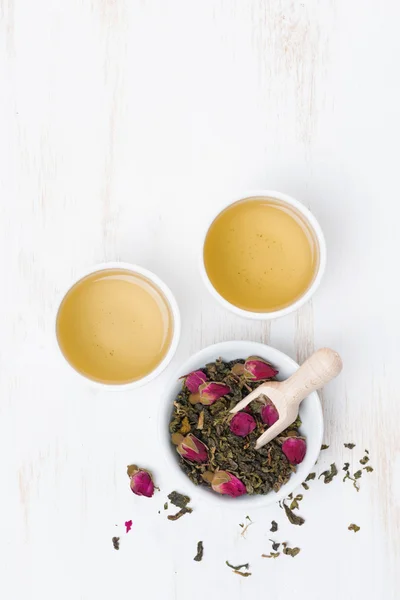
[[200, 493], [163, 287], [320, 238]]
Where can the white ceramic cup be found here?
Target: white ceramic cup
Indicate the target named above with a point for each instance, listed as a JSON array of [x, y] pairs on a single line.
[[312, 427], [158, 283], [319, 240]]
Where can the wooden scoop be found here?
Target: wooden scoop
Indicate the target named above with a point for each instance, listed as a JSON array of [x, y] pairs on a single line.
[[314, 373]]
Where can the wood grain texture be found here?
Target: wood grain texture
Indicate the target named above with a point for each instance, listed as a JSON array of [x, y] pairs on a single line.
[[123, 126]]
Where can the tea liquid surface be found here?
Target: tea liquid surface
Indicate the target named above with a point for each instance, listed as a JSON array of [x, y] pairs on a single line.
[[114, 326], [260, 255]]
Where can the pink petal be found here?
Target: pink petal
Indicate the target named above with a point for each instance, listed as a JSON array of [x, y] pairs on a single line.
[[128, 525]]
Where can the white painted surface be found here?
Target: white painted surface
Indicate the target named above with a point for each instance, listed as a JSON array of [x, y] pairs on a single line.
[[123, 125]]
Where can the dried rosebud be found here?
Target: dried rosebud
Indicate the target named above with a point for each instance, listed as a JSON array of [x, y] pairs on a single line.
[[257, 369], [242, 424], [212, 391], [194, 380], [225, 483], [294, 449], [269, 414], [193, 449], [141, 481]]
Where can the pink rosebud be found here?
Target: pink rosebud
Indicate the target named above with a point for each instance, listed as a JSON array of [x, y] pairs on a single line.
[[192, 449], [269, 414], [194, 380], [242, 424], [294, 449], [128, 526], [225, 483], [141, 481], [257, 369], [212, 391]]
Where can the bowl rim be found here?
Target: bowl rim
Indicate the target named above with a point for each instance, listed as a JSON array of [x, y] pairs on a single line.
[[319, 236], [202, 493], [162, 286]]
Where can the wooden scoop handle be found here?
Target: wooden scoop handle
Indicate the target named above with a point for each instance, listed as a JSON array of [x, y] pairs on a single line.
[[322, 366]]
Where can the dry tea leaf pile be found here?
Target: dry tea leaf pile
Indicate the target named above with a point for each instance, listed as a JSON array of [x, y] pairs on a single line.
[[217, 448]]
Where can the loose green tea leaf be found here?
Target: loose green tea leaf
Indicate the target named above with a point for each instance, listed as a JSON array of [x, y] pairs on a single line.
[[357, 474], [275, 545], [238, 567], [245, 527], [310, 477], [271, 555], [329, 475], [305, 486], [179, 500], [346, 466], [260, 471], [324, 447], [291, 551], [353, 527], [364, 460], [368, 469], [200, 552], [274, 526], [242, 574], [179, 514], [366, 451], [355, 484], [294, 519], [115, 541], [166, 506], [295, 502], [350, 446]]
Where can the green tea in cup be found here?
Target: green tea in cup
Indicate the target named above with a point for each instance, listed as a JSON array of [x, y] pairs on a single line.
[[261, 255]]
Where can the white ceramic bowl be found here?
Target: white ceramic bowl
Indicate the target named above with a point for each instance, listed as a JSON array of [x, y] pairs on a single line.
[[319, 239], [310, 412], [175, 317]]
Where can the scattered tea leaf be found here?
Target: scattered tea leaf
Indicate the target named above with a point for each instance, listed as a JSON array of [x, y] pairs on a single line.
[[294, 519], [310, 477], [366, 451], [271, 555], [329, 475], [128, 526], [245, 527], [350, 446], [179, 500], [324, 447], [180, 513], [305, 486], [346, 466], [275, 545], [200, 552], [115, 541], [353, 527], [166, 506], [291, 551], [368, 469], [238, 567], [357, 474], [295, 501], [355, 484], [242, 574], [274, 526], [364, 460]]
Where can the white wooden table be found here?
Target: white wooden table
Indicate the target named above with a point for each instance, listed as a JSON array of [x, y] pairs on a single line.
[[123, 123]]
